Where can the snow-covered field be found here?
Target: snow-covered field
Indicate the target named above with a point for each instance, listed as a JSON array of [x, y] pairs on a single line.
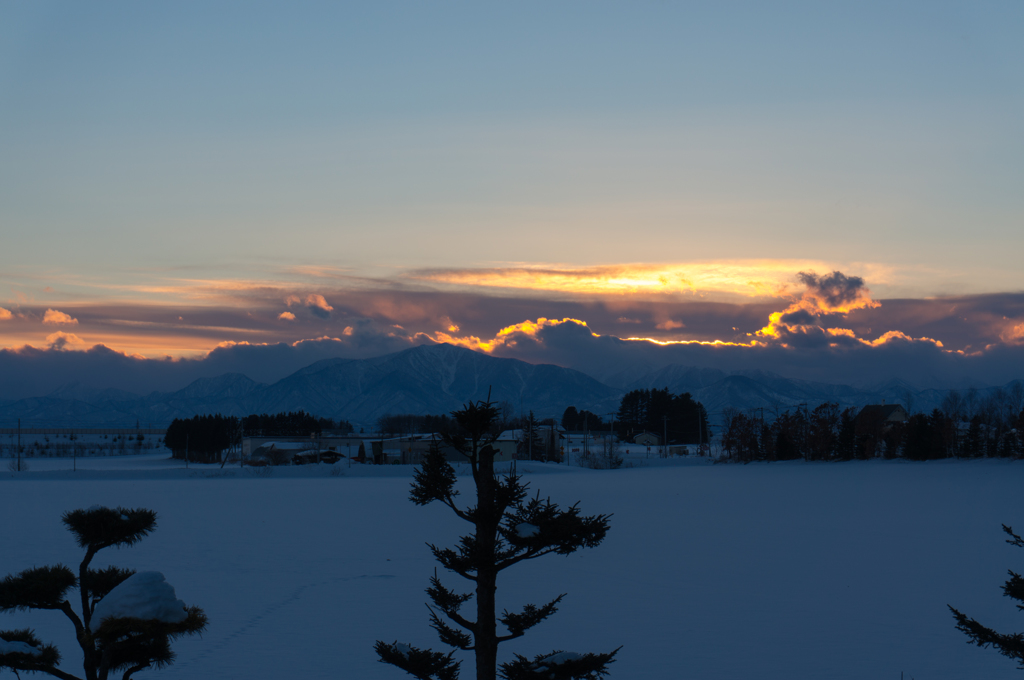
[[789, 571]]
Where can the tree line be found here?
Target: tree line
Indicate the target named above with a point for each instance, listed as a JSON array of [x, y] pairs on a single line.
[[830, 434], [582, 421], [291, 424], [677, 416], [204, 439]]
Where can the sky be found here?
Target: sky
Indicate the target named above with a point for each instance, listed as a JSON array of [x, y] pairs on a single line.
[[805, 187]]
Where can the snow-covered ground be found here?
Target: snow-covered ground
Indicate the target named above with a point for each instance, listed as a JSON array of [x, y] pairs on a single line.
[[788, 571]]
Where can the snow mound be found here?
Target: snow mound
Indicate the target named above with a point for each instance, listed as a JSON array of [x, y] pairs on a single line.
[[526, 530], [403, 649], [17, 648], [146, 595]]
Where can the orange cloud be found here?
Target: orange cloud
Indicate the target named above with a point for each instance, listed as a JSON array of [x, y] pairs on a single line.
[[61, 340], [286, 316], [670, 325], [898, 335], [52, 316], [505, 337], [317, 300], [1013, 334], [314, 302], [835, 293], [5, 314]]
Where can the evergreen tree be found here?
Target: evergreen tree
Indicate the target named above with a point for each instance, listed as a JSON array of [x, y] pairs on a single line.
[[508, 528], [110, 643], [570, 417], [202, 438], [658, 411], [1011, 645], [532, 445]]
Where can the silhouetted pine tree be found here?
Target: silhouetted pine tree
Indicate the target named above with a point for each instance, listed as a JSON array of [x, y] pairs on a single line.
[[508, 528], [1011, 645], [125, 645]]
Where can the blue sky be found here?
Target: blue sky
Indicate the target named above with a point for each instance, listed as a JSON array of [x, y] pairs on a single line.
[[155, 156]]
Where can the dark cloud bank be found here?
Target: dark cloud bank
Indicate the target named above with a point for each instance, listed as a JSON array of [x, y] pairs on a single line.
[[30, 372]]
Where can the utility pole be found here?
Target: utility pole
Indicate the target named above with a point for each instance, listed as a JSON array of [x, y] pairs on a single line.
[[19, 444], [530, 437], [186, 450], [611, 437], [664, 448], [760, 434], [700, 431]]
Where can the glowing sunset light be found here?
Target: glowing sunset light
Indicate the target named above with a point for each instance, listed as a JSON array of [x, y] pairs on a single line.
[[709, 343], [745, 278], [507, 336], [606, 187], [835, 293], [889, 336]]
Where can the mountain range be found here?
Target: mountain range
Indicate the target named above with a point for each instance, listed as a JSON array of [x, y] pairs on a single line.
[[434, 379]]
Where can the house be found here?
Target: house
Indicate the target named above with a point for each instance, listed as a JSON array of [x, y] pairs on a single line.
[[515, 444], [507, 444], [411, 450], [876, 419], [341, 445], [647, 439]]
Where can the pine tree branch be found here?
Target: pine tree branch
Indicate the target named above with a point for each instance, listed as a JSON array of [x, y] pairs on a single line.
[[459, 512], [83, 589], [462, 563], [559, 665], [1014, 538], [518, 624], [76, 622], [134, 669], [528, 555], [100, 528], [1008, 645], [49, 670], [1014, 588], [449, 635], [41, 659], [423, 664], [36, 588], [449, 602]]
